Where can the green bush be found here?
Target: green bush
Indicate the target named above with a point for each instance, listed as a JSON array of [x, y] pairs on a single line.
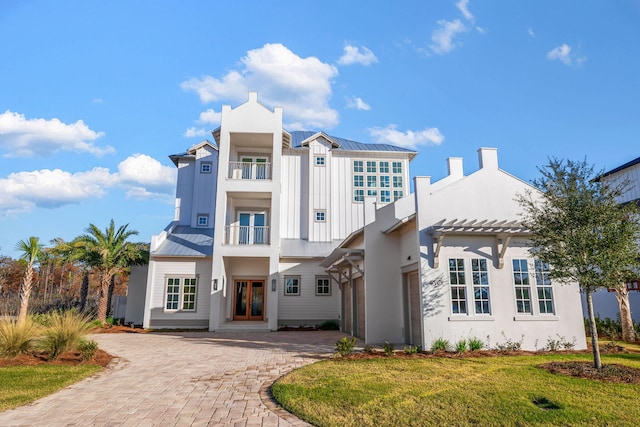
[[412, 349], [87, 348], [344, 346], [388, 348], [461, 346], [64, 331], [329, 325], [475, 344], [17, 338], [440, 344]]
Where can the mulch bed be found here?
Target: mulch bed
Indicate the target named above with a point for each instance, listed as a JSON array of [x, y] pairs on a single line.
[[612, 373], [70, 358]]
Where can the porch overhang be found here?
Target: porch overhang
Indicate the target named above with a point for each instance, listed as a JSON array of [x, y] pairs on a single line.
[[502, 230], [342, 262]]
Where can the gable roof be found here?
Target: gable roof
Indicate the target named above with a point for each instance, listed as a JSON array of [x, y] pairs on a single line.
[[187, 241], [191, 151], [301, 139]]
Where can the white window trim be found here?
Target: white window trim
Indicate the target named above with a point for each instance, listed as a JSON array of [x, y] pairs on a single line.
[[365, 174], [465, 286], [181, 279], [329, 282], [316, 159], [473, 286], [320, 211], [206, 218], [204, 164], [292, 294]]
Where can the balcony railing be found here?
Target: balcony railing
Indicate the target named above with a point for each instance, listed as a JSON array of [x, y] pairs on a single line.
[[246, 235], [250, 170]]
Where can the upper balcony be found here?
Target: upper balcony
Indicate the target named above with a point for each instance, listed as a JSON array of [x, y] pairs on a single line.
[[250, 169]]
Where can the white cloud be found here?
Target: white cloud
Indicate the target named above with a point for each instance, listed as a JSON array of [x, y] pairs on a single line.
[[353, 55], [22, 137], [531, 32], [462, 7], [140, 176], [563, 53], [301, 85], [210, 117], [357, 103], [143, 169], [409, 139], [193, 132], [443, 36]]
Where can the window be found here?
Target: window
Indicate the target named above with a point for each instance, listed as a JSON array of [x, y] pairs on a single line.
[[397, 167], [384, 181], [323, 286], [480, 285], [372, 181], [385, 196], [372, 193], [203, 220], [397, 182], [371, 167], [358, 195], [358, 166], [458, 286], [205, 167], [371, 174], [320, 216], [181, 294], [384, 167], [358, 181], [320, 161], [543, 285], [397, 194], [521, 283], [291, 285]]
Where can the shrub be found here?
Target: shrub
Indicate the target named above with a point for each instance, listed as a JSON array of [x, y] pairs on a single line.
[[87, 348], [63, 332], [17, 338], [475, 344], [509, 344], [329, 325], [412, 349], [344, 346], [461, 346], [368, 349], [560, 344], [388, 348], [440, 344]]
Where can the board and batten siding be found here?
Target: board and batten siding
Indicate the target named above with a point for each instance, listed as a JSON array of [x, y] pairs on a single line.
[[631, 174], [307, 305], [184, 192], [204, 186], [293, 212], [176, 267], [320, 190]]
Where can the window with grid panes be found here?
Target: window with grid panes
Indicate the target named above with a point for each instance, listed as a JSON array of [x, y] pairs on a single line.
[[458, 286], [397, 194], [543, 286], [384, 167], [480, 276], [397, 167], [181, 293], [521, 283]]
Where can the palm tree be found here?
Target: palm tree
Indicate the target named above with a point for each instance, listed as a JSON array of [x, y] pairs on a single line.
[[30, 250], [109, 253], [71, 252]]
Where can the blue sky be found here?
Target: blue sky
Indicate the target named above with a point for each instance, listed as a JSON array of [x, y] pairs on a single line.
[[95, 95]]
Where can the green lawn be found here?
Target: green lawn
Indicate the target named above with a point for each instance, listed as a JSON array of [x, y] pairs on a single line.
[[23, 384], [447, 392]]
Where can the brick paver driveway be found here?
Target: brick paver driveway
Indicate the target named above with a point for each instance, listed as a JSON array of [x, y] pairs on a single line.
[[181, 379]]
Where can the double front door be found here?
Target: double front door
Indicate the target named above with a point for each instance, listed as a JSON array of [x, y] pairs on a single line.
[[248, 302]]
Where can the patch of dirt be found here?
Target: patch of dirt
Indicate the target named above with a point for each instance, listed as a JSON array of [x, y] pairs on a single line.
[[70, 358], [612, 373]]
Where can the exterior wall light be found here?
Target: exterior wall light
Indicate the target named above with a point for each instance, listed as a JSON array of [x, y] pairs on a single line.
[[215, 284], [273, 285]]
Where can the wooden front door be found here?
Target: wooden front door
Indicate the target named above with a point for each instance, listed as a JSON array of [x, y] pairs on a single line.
[[248, 300]]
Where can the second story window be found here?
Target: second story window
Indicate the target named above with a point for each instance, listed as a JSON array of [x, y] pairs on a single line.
[[205, 167], [203, 220], [320, 160], [320, 216]]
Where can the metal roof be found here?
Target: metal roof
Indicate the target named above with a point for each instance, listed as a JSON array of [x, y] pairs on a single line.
[[619, 168], [297, 137], [188, 242]]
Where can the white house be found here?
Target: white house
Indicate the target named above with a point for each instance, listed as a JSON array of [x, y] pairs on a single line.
[[605, 303], [453, 261], [256, 212], [277, 228]]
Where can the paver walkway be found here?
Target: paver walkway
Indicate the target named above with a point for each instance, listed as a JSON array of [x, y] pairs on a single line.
[[181, 379]]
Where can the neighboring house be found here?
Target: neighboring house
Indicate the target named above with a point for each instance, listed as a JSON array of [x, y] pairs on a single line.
[[256, 212], [605, 303], [276, 228], [452, 261]]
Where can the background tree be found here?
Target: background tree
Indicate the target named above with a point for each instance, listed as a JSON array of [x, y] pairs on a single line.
[[30, 251], [581, 231], [109, 252]]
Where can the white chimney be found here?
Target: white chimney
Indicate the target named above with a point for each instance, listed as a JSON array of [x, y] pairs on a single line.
[[488, 158], [455, 167]]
